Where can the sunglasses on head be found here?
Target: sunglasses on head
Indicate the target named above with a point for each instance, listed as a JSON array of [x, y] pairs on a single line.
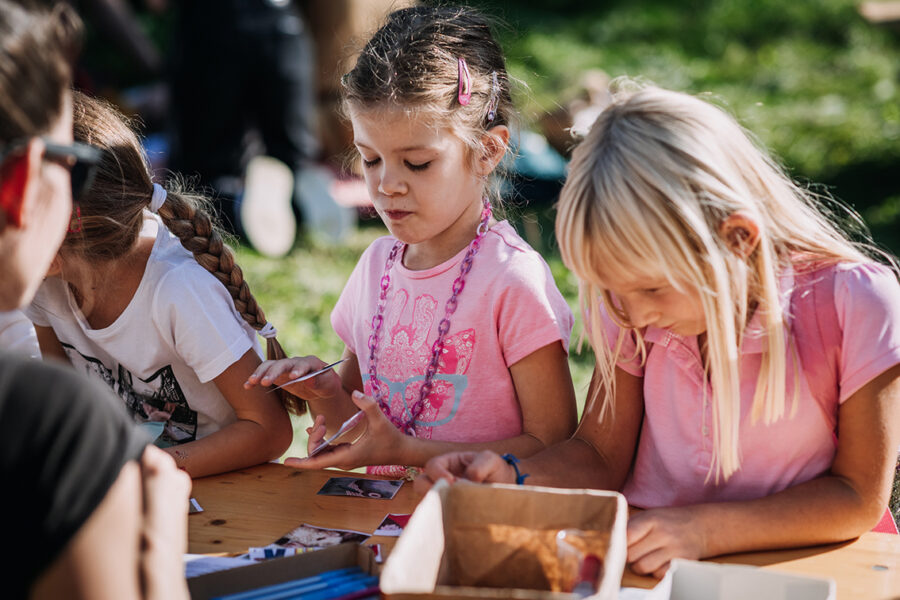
[[80, 159]]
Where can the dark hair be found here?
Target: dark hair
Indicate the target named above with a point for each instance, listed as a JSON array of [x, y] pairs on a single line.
[[37, 46], [112, 213], [412, 62]]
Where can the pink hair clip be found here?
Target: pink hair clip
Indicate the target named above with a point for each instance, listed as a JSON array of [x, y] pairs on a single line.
[[464, 94], [75, 221]]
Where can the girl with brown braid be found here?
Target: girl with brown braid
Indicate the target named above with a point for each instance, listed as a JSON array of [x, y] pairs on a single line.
[[173, 334]]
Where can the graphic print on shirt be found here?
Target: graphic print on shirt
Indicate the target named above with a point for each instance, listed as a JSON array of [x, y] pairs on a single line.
[[157, 398], [404, 353]]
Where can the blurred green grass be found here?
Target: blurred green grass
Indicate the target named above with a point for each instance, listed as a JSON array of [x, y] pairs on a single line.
[[811, 78]]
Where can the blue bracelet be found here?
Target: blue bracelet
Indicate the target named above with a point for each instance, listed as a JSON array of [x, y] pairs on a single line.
[[514, 462]]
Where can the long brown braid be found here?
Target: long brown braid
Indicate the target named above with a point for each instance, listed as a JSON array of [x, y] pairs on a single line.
[[111, 214]]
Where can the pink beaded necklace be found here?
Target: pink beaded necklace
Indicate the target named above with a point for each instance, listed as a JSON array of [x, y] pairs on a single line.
[[407, 425]]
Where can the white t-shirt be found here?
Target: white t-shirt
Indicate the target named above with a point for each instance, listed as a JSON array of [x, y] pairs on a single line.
[[177, 334], [17, 334]]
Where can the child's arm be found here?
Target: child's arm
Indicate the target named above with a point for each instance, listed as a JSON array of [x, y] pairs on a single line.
[[50, 346], [546, 397], [262, 432], [327, 394], [838, 506], [597, 456]]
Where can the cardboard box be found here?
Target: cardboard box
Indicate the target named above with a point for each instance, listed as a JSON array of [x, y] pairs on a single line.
[[499, 541], [692, 580], [280, 570]]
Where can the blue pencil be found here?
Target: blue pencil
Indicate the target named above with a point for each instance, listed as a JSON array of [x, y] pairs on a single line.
[[343, 589], [321, 589], [315, 579], [369, 592]]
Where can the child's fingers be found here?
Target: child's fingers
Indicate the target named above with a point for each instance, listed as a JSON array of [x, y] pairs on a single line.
[[661, 572], [317, 434], [639, 527], [334, 456], [651, 563], [280, 371], [365, 403], [267, 371], [446, 466], [164, 486], [487, 466]]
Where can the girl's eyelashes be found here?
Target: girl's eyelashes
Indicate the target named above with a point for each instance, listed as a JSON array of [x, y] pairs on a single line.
[[414, 167], [411, 166]]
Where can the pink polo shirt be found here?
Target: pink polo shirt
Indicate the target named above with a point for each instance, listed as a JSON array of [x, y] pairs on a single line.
[[675, 446]]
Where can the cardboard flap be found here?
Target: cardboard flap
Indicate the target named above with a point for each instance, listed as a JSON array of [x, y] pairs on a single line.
[[413, 564], [693, 580]]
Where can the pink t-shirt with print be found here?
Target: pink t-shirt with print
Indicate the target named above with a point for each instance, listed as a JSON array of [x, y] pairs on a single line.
[[510, 307], [675, 445]]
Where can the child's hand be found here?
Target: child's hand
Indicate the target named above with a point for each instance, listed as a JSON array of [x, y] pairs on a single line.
[[277, 372], [481, 467], [317, 434], [166, 491], [380, 443], [658, 535]]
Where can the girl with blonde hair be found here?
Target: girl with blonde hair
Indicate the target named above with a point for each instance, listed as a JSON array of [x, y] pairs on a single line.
[[748, 353]]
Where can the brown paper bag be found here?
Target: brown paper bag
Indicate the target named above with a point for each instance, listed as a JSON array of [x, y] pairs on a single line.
[[496, 537]]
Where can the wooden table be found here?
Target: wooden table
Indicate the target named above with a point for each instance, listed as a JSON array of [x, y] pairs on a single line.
[[254, 507]]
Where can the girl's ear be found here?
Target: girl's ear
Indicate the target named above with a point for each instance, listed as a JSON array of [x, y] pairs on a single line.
[[740, 232], [495, 142], [55, 268], [19, 183]]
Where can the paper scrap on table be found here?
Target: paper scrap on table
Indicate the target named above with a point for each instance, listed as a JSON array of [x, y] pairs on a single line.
[[274, 551], [392, 525], [383, 489], [310, 536], [201, 564], [194, 507]]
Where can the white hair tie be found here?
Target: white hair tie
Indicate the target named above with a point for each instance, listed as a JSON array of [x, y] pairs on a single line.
[[268, 331], [158, 198]]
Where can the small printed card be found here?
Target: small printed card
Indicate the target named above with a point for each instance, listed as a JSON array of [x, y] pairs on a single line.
[[312, 537], [364, 488], [392, 525]]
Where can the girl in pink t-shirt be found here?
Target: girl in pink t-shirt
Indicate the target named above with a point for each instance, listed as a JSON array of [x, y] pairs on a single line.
[[456, 334], [747, 388]]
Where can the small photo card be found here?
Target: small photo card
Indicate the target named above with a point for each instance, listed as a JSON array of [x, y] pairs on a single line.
[[312, 537], [392, 525], [364, 488]]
